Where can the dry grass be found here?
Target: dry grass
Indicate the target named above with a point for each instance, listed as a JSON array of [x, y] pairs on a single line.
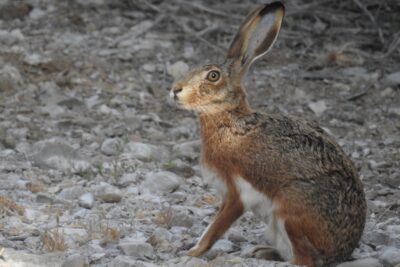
[[110, 235], [53, 241], [103, 232], [8, 207]]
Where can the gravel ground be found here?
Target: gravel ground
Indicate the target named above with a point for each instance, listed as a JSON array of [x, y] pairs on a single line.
[[98, 168]]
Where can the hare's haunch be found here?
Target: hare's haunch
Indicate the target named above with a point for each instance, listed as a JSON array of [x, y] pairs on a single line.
[[286, 170]]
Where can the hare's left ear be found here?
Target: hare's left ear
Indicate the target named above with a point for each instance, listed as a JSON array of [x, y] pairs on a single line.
[[255, 37]]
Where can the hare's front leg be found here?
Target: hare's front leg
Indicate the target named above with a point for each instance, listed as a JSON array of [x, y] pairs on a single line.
[[230, 210]]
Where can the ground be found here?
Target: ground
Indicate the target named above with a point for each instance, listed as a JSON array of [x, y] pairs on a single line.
[[98, 167]]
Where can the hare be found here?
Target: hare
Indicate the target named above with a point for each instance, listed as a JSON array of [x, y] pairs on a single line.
[[288, 171]]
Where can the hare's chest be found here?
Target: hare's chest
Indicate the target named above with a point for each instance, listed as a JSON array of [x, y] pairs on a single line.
[[253, 200]]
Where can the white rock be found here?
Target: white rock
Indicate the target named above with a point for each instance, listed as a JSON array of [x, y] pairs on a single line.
[[58, 155], [161, 182], [12, 37], [111, 146], [191, 262], [368, 262], [128, 178], [71, 193], [37, 13], [146, 152], [19, 258], [137, 248], [318, 107], [75, 233], [223, 245], [108, 193], [393, 78], [177, 69], [390, 256], [12, 73], [75, 260], [189, 149], [127, 261], [86, 200]]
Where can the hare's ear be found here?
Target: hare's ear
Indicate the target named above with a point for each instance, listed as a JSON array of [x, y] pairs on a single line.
[[255, 37]]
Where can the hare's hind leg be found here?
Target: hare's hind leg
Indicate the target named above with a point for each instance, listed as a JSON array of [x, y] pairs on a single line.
[[266, 253], [304, 252]]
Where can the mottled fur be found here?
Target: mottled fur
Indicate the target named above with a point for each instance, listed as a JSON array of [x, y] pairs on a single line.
[[313, 186]]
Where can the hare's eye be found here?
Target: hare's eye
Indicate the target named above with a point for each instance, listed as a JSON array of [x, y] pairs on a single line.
[[213, 76]]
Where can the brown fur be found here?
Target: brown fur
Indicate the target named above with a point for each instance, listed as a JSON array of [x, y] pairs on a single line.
[[313, 184]]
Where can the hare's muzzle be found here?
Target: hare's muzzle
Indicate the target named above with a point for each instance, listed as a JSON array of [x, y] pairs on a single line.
[[175, 91]]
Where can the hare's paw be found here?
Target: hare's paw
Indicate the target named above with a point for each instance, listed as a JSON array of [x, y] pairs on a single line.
[[266, 253], [196, 251]]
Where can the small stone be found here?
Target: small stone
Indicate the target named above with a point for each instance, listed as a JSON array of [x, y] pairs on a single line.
[[108, 193], [370, 262], [161, 240], [75, 260], [391, 256], [127, 261], [110, 197], [318, 107], [392, 78], [177, 69], [128, 178], [71, 193], [191, 262], [58, 155], [146, 152], [137, 248], [44, 198], [86, 200], [189, 150], [236, 237], [223, 245], [111, 146], [161, 182]]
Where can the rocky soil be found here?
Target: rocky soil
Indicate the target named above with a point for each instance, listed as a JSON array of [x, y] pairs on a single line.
[[98, 168]]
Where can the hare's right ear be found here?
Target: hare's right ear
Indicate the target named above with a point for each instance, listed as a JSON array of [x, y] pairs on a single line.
[[255, 37]]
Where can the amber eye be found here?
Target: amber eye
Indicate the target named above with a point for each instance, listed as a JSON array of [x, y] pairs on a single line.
[[213, 76]]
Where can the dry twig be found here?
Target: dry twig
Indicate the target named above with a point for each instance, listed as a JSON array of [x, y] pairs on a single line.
[[372, 18]]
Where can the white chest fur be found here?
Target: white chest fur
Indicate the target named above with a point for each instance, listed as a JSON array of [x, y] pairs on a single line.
[[263, 207], [254, 200], [260, 204]]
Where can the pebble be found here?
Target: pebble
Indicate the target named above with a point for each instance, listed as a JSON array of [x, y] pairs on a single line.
[[86, 200], [58, 155], [367, 262], [137, 248], [127, 261], [392, 78], [108, 193], [177, 69], [161, 182], [146, 152], [111, 146], [75, 260], [189, 150], [390, 256], [318, 107]]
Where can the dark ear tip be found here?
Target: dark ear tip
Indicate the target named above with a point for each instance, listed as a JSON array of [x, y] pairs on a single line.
[[272, 7]]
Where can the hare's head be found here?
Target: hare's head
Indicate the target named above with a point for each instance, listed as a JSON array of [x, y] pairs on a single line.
[[213, 88]]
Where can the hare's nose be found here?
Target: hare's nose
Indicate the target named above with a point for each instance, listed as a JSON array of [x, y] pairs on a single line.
[[176, 91]]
